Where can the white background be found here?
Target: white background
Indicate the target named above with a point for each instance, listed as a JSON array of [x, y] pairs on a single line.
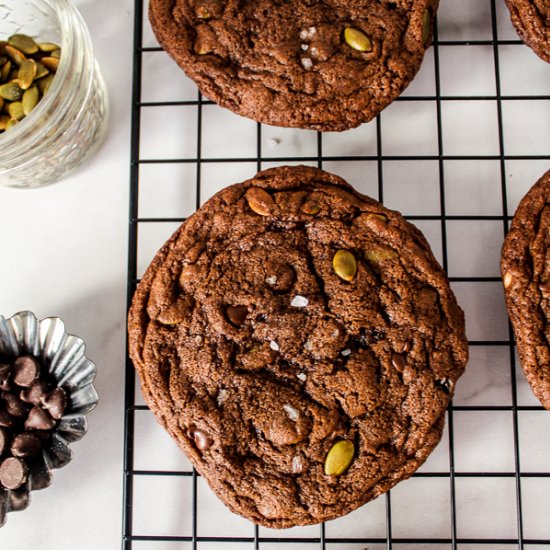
[[63, 253]]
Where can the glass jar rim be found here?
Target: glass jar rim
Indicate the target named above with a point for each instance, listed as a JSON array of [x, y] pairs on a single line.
[[69, 20]]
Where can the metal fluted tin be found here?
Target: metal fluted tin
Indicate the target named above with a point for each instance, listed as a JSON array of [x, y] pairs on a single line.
[[62, 356]]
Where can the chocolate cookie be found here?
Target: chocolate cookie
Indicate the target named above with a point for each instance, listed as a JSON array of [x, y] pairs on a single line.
[[531, 18], [300, 343], [318, 64], [525, 267]]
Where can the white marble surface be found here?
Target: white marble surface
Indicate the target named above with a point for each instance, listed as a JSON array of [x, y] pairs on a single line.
[[64, 252]]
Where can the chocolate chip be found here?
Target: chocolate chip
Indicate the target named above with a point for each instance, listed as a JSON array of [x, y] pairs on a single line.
[[236, 314], [39, 419], [4, 439], [28, 401], [7, 420], [55, 403], [35, 394], [398, 361], [366, 338], [25, 371], [43, 435], [26, 444], [14, 405], [5, 373], [285, 275], [545, 288], [202, 441], [13, 473], [358, 342]]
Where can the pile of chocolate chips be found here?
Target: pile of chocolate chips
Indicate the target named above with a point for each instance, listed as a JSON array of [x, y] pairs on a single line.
[[31, 405]]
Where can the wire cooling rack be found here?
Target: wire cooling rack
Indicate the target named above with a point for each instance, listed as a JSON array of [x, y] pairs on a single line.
[[455, 154]]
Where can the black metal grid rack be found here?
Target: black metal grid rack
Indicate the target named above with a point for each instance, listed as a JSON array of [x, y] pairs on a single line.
[[488, 483]]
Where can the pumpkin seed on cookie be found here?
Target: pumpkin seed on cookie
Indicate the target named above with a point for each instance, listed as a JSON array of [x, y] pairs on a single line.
[[344, 265], [357, 40], [339, 458], [260, 201]]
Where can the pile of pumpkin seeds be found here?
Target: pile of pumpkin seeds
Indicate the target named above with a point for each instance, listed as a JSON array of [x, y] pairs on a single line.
[[27, 69]]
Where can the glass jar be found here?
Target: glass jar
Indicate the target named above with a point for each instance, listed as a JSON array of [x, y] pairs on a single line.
[[68, 123]]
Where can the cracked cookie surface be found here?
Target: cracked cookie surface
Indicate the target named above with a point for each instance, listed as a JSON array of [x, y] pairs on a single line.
[[525, 267], [318, 64], [286, 316], [531, 18]]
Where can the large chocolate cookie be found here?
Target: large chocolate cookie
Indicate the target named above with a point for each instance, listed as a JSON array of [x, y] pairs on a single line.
[[301, 344], [531, 18], [319, 64], [525, 267]]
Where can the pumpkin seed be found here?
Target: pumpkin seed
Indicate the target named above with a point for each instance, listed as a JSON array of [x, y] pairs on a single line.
[[204, 41], [27, 73], [48, 47], [25, 44], [312, 208], [40, 70], [426, 26], [381, 254], [44, 84], [15, 110], [11, 91], [357, 40], [30, 99], [344, 265], [5, 71], [371, 220], [339, 457], [15, 55], [312, 204], [50, 63], [27, 69], [260, 201], [379, 217]]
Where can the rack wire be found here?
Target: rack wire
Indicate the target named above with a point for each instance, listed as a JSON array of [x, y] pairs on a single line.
[[455, 153]]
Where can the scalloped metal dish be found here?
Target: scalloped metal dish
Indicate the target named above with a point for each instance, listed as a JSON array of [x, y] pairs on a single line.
[[63, 356]]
